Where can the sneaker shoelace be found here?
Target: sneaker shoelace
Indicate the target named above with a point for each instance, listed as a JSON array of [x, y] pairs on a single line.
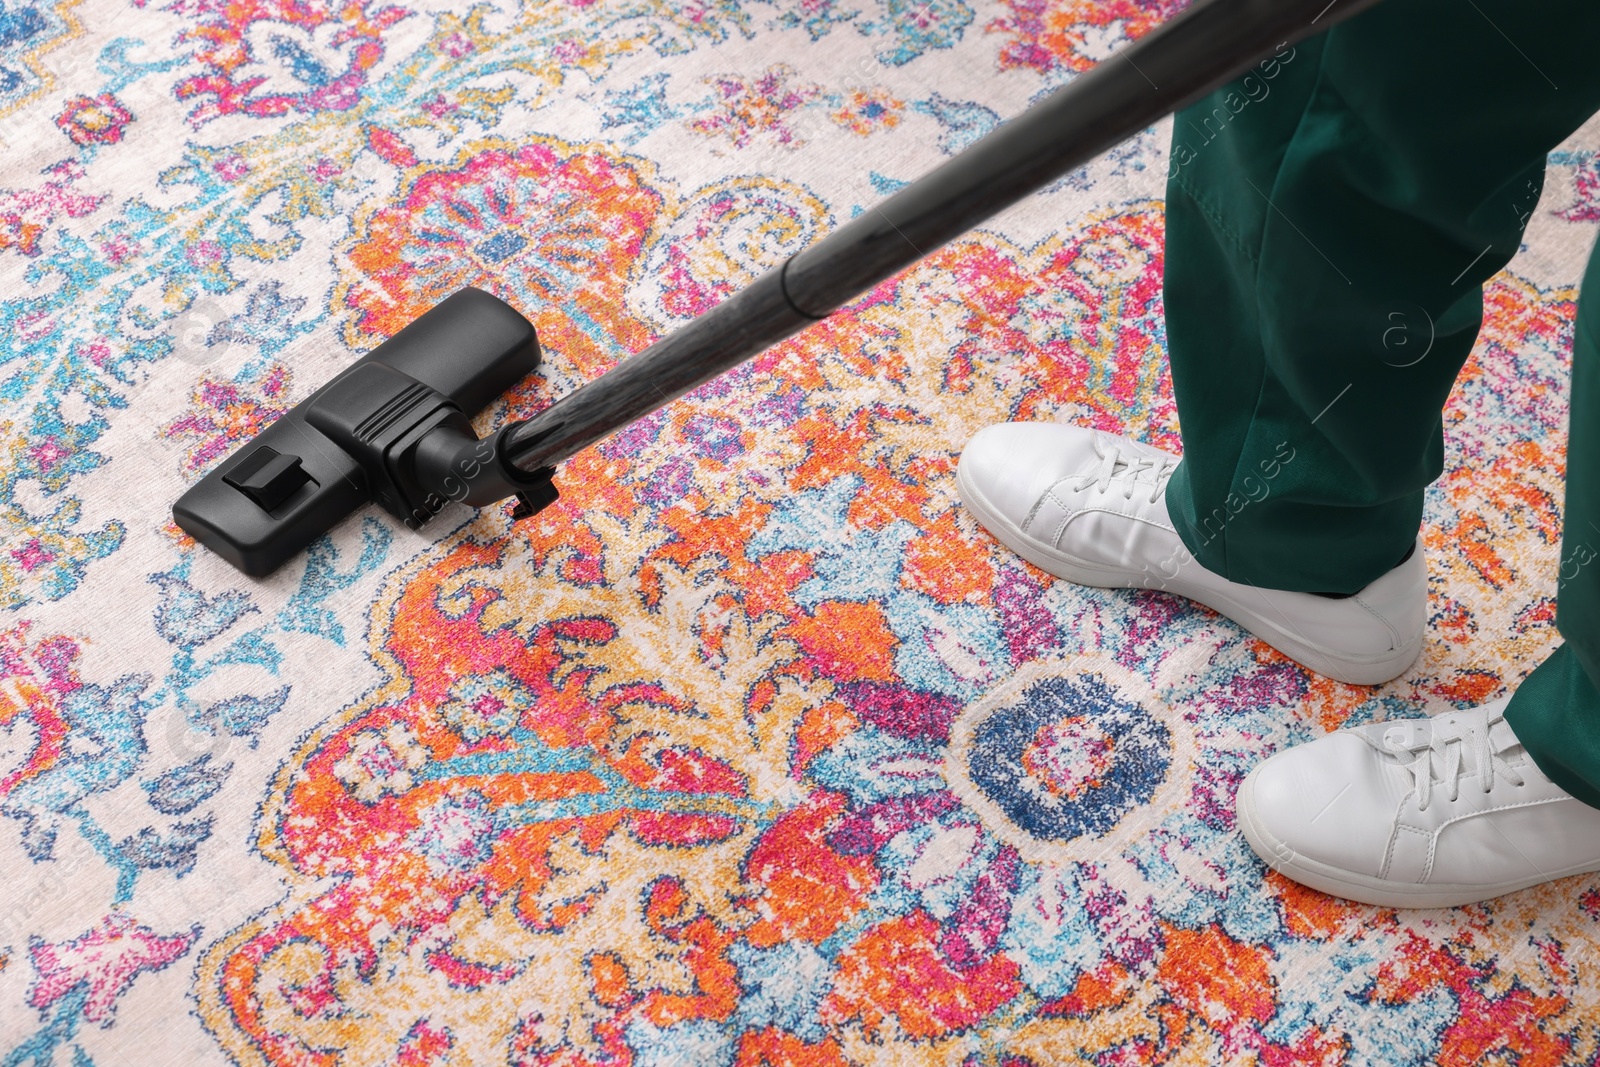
[[1129, 471], [1438, 761]]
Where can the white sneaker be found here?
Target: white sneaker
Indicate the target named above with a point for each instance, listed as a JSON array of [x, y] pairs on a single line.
[[1090, 507], [1417, 813]]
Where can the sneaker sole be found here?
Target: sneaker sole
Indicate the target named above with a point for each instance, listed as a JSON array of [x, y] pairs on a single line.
[[1361, 888], [1357, 669]]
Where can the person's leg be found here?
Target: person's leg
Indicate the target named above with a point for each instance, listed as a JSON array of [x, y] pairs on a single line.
[[1329, 228], [1362, 813], [1556, 709]]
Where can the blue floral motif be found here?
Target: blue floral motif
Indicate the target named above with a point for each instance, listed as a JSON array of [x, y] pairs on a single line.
[[816, 17], [187, 617], [486, 705], [459, 832], [962, 123], [1070, 758], [105, 749], [640, 109], [868, 565], [181, 789], [23, 29], [786, 984], [700, 1042], [915, 28], [307, 611]]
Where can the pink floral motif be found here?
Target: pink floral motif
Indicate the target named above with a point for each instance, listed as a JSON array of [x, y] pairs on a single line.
[[232, 168], [1074, 34], [277, 57], [457, 45], [742, 108], [107, 958], [118, 249], [440, 106], [48, 452], [32, 555], [1586, 184], [326, 169], [26, 214], [225, 414], [92, 120]]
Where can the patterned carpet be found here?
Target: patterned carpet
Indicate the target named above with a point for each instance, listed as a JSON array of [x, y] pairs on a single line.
[[754, 749]]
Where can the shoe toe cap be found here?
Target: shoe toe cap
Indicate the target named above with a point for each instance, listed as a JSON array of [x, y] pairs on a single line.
[[1012, 464], [1329, 801]]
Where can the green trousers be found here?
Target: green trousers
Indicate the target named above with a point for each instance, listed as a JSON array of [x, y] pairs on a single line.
[[1331, 219]]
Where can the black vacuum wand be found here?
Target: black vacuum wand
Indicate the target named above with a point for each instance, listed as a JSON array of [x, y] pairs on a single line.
[[393, 428]]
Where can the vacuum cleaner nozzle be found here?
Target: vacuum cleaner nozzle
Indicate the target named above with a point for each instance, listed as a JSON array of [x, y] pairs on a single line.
[[392, 429]]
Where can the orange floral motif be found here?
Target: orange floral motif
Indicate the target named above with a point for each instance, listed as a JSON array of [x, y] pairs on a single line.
[[866, 111], [849, 641], [774, 1048], [810, 890], [1075, 34], [896, 971], [33, 681], [544, 224], [1216, 977], [275, 57]]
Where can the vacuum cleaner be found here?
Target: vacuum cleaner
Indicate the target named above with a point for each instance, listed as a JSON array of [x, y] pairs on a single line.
[[394, 429]]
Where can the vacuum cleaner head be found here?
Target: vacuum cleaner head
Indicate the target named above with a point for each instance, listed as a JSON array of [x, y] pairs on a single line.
[[391, 429]]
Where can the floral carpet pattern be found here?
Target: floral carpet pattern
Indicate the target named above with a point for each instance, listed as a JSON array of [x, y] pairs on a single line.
[[754, 749]]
